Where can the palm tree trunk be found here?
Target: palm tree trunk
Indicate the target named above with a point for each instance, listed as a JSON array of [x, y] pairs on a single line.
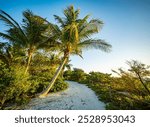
[[62, 71], [28, 64], [45, 92]]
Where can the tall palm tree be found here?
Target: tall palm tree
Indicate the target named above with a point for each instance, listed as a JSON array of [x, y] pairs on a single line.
[[74, 35], [28, 36]]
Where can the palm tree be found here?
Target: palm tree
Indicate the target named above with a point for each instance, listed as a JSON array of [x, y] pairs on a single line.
[[28, 36], [74, 35]]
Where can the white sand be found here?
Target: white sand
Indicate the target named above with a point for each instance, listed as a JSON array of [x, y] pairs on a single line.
[[76, 97]]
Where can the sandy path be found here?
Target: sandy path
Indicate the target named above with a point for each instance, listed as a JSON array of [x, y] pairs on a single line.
[[76, 97]]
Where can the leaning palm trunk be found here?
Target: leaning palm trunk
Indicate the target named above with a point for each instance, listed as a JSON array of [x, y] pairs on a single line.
[[45, 92], [62, 71], [28, 64]]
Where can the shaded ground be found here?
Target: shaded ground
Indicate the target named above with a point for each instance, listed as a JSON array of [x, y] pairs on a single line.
[[76, 97]]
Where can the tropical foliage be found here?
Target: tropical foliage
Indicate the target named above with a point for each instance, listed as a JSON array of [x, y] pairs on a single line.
[[128, 90], [27, 61], [36, 52]]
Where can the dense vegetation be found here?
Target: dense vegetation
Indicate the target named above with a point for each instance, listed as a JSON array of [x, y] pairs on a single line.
[[129, 90], [17, 88], [36, 52]]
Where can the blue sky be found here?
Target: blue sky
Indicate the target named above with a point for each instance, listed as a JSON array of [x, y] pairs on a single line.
[[126, 28]]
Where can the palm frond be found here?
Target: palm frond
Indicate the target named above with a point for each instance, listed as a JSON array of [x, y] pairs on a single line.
[[92, 27], [89, 28], [2, 44], [59, 20], [6, 36], [96, 44], [87, 33], [55, 29], [97, 23], [77, 12], [83, 21], [10, 21]]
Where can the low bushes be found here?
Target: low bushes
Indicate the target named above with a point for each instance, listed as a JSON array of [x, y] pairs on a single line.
[[129, 90], [17, 88]]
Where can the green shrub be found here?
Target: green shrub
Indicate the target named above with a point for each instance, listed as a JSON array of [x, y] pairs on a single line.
[[15, 84], [59, 85]]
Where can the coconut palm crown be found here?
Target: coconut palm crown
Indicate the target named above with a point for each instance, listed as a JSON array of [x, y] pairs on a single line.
[[28, 36]]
